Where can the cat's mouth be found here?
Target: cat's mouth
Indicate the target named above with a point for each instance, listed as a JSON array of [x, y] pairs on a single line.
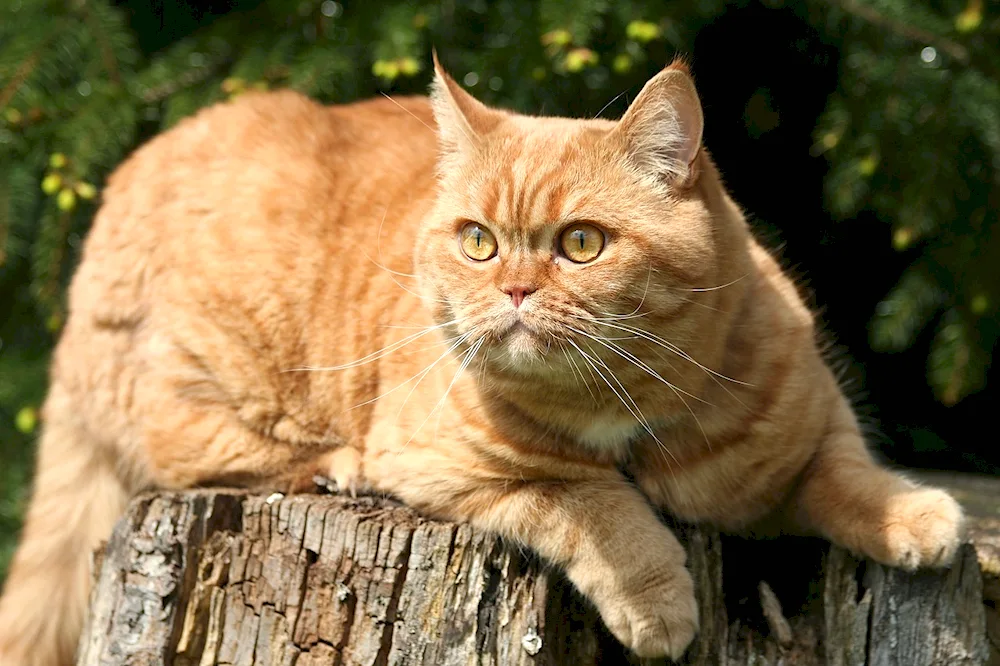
[[522, 343], [519, 327]]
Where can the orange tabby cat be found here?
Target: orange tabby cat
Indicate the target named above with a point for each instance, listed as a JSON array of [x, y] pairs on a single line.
[[485, 320]]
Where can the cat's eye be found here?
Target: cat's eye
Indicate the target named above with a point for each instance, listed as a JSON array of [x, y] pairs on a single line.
[[581, 243], [477, 242]]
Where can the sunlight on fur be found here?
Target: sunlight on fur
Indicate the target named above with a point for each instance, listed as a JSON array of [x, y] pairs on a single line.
[[482, 313]]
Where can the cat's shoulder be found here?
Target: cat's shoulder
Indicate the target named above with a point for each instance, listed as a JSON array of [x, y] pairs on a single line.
[[782, 283]]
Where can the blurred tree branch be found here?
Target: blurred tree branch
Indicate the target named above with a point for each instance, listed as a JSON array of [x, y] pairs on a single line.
[[916, 34]]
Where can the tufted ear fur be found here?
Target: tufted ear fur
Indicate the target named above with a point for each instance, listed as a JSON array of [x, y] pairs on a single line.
[[462, 120], [662, 129]]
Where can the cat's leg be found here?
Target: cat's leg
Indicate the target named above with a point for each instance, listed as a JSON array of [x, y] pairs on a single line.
[[593, 524], [847, 497]]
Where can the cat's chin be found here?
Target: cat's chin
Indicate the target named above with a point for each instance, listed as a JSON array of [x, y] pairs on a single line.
[[523, 348]]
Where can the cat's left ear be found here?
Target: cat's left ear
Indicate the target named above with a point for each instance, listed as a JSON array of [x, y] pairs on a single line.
[[662, 129], [462, 119]]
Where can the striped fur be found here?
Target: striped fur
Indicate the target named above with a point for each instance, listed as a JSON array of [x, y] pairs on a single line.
[[275, 288]]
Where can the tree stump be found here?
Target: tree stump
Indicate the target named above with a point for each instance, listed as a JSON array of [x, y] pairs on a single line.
[[220, 577]]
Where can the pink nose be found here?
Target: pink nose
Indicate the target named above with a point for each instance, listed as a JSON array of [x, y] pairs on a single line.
[[518, 293]]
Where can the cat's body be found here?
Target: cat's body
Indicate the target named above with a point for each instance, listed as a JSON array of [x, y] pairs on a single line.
[[276, 289]]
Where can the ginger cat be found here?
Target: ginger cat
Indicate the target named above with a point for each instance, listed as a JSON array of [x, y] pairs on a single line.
[[487, 320]]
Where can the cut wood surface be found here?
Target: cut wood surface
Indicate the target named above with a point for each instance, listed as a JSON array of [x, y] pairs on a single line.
[[218, 577]]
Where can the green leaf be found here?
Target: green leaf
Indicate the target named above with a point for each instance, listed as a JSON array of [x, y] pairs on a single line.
[[26, 420], [321, 71], [957, 363], [581, 19], [904, 312], [978, 100]]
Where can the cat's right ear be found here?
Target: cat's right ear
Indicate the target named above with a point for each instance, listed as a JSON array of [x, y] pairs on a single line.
[[462, 119]]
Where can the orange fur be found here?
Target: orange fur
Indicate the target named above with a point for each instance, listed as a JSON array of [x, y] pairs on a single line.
[[275, 288]]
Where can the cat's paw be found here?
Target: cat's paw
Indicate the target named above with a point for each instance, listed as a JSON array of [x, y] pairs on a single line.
[[658, 619], [340, 472], [922, 528]]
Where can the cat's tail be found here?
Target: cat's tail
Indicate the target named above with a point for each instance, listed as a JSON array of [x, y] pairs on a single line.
[[76, 500]]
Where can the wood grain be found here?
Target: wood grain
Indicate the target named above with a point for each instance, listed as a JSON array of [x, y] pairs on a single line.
[[216, 577]]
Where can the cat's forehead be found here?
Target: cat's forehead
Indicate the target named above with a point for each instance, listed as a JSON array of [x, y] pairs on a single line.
[[544, 137], [540, 170]]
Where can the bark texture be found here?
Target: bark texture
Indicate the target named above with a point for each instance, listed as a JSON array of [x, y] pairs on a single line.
[[215, 577]]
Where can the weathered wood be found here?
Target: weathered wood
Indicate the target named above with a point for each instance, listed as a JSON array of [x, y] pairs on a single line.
[[217, 577], [980, 497]]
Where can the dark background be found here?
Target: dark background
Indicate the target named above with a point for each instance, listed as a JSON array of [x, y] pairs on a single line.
[[847, 265]]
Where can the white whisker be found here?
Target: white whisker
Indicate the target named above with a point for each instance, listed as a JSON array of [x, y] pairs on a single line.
[[721, 286], [378, 247], [466, 359], [676, 390], [410, 328], [589, 368], [633, 314], [381, 264], [454, 342], [613, 100], [702, 305], [375, 355], [577, 372], [482, 363], [422, 297], [601, 337], [471, 354], [636, 361], [677, 351], [389, 270], [462, 338], [634, 408], [607, 316], [407, 110], [645, 290], [673, 348]]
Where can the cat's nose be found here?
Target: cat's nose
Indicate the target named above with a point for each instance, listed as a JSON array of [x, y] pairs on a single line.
[[518, 293]]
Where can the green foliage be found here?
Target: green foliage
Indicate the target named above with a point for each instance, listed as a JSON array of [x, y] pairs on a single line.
[[906, 310], [22, 377], [912, 133]]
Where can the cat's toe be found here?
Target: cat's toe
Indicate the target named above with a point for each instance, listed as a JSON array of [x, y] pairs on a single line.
[[660, 622], [922, 529], [669, 635], [342, 472], [324, 483]]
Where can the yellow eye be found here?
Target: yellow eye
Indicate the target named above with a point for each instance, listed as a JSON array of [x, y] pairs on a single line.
[[581, 243], [477, 242]]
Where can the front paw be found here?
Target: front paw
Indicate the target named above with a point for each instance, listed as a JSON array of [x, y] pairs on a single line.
[[340, 471], [655, 617], [921, 528]]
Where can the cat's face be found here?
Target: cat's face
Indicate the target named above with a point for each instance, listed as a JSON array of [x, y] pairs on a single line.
[[550, 236]]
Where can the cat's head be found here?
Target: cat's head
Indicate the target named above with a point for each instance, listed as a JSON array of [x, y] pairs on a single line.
[[553, 234]]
